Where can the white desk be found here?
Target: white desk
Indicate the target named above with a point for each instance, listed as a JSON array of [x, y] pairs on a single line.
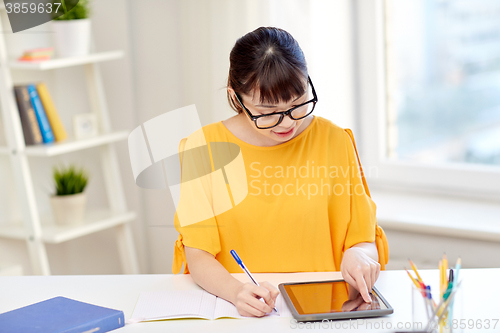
[[481, 290]]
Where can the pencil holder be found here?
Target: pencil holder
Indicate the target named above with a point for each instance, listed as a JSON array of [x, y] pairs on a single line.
[[434, 314]]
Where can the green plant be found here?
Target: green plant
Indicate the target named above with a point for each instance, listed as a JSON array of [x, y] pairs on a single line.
[[69, 180], [80, 10]]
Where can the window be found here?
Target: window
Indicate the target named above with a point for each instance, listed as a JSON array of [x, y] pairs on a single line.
[[428, 94], [443, 80]]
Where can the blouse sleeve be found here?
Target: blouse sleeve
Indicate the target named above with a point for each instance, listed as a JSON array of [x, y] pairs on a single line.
[[194, 218], [203, 235], [362, 226]]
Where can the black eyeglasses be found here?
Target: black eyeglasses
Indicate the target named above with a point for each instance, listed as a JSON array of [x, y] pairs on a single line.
[[266, 121]]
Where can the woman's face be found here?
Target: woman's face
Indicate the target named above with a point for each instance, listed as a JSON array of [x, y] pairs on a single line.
[[286, 130]]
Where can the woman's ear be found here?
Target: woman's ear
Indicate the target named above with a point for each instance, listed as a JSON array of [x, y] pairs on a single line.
[[231, 97], [231, 93]]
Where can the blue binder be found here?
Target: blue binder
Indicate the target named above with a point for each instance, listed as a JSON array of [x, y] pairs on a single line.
[[61, 315], [43, 121]]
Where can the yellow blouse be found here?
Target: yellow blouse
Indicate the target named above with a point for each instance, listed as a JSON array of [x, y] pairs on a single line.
[[293, 207]]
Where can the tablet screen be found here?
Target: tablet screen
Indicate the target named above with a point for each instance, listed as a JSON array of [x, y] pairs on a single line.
[[330, 297]]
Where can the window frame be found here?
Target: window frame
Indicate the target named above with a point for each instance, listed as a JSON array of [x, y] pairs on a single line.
[[457, 179]]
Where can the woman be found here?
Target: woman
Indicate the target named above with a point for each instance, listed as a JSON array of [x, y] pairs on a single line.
[[307, 208]]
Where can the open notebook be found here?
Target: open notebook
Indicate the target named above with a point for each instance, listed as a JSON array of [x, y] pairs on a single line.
[[158, 305]]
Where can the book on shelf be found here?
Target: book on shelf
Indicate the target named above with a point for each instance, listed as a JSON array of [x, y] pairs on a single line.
[[62, 315], [51, 111], [39, 54], [39, 117], [29, 122], [43, 121]]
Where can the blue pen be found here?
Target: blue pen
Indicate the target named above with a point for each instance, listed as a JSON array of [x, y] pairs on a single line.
[[428, 301], [238, 260]]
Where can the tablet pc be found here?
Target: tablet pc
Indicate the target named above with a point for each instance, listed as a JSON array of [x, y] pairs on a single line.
[[319, 300]]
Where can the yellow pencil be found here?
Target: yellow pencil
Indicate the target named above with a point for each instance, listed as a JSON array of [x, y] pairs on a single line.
[[413, 279], [419, 278], [441, 289], [440, 279], [445, 269]]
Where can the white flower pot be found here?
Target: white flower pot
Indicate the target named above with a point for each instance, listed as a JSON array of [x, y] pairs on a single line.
[[68, 209], [72, 37]]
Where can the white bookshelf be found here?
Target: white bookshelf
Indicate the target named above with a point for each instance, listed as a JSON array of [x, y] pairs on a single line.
[[75, 145], [94, 221], [69, 146], [65, 62], [38, 230]]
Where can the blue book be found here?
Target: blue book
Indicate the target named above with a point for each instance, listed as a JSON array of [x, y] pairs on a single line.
[[43, 121], [61, 315]]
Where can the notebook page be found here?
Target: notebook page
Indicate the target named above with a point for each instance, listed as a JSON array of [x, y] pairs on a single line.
[[225, 309], [174, 304], [207, 305]]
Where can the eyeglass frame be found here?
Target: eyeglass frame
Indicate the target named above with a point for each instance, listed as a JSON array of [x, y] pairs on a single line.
[[281, 113]]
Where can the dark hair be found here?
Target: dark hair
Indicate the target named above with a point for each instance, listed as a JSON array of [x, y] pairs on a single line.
[[270, 61]]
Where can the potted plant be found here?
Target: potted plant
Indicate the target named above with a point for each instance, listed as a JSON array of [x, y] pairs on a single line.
[[72, 30], [68, 203]]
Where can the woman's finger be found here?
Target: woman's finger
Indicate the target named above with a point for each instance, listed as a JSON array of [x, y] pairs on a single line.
[[349, 279], [367, 277], [257, 303], [272, 290], [362, 288], [260, 291], [254, 312], [244, 313], [374, 277], [359, 283]]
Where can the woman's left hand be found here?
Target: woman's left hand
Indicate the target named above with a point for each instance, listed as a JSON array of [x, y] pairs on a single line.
[[360, 271]]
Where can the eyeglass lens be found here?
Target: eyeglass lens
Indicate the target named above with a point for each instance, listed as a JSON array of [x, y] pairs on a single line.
[[273, 119]]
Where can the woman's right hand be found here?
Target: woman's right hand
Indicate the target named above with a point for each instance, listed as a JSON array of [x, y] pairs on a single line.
[[247, 299]]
